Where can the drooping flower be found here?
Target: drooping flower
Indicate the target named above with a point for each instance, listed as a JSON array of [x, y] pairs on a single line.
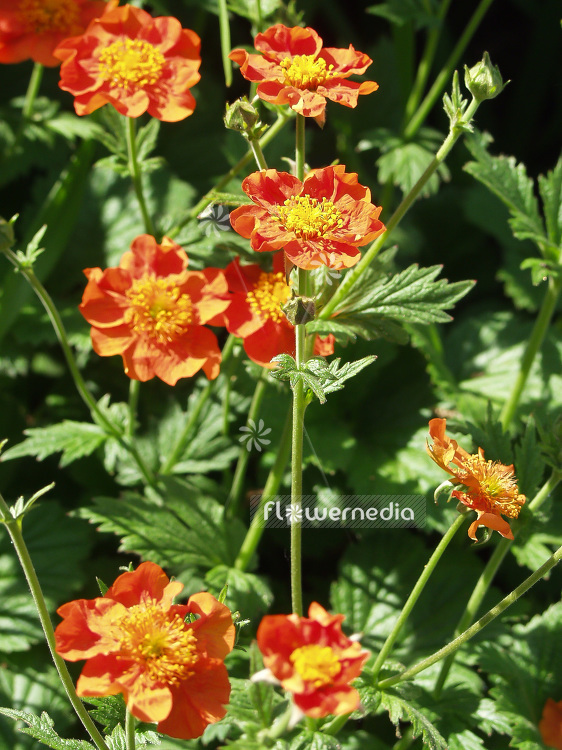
[[313, 659], [490, 487], [137, 642], [295, 69], [31, 29], [152, 312], [134, 62], [255, 313], [550, 725], [321, 221]]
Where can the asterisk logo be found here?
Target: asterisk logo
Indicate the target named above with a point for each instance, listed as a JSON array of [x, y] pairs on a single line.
[[214, 220], [294, 514], [254, 435]]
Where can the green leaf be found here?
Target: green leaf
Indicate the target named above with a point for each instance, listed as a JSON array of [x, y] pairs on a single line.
[[401, 12], [109, 711], [315, 740], [404, 161], [550, 187], [524, 665], [73, 439], [117, 740], [42, 729], [411, 296], [510, 182], [179, 527], [399, 709], [57, 545]]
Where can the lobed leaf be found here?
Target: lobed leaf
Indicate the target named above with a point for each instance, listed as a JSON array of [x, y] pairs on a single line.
[[73, 439], [41, 728]]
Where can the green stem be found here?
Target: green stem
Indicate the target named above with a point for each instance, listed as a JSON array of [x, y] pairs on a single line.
[[534, 344], [486, 578], [300, 147], [81, 386], [134, 390], [14, 530], [136, 175], [32, 91], [207, 199], [416, 592], [258, 153], [274, 479], [397, 216], [182, 440], [242, 463], [445, 74], [225, 42], [506, 602], [130, 730], [426, 62]]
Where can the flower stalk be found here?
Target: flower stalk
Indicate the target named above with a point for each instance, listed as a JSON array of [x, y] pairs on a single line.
[[136, 176], [455, 644]]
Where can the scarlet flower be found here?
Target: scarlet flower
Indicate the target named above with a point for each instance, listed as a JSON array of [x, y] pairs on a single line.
[[490, 486], [33, 28], [321, 221], [137, 642], [295, 69], [550, 725], [313, 659], [151, 311], [134, 62], [255, 313]]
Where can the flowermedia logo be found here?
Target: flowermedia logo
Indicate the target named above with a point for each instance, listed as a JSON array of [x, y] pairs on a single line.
[[254, 435], [214, 220], [341, 511], [327, 262]]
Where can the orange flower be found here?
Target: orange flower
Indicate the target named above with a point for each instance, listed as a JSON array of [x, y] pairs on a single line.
[[313, 659], [33, 28], [255, 313], [134, 62], [151, 311], [550, 725], [295, 69], [136, 642], [321, 221], [490, 487]]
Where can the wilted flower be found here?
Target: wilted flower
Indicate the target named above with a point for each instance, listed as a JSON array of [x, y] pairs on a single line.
[[295, 69], [33, 28], [313, 659], [321, 221], [152, 312], [134, 62], [255, 313], [490, 487], [136, 642]]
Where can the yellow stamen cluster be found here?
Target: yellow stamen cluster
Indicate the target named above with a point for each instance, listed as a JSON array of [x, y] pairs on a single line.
[[308, 217], [497, 484], [157, 309], [306, 71], [268, 295], [131, 64], [316, 664], [162, 644], [40, 16]]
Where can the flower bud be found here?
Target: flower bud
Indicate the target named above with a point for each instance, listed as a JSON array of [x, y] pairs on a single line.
[[484, 80], [299, 310], [242, 116]]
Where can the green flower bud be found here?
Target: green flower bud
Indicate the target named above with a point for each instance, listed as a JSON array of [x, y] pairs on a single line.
[[299, 310], [484, 80], [242, 116]]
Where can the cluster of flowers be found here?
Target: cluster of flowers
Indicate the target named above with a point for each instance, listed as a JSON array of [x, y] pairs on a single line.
[[168, 659]]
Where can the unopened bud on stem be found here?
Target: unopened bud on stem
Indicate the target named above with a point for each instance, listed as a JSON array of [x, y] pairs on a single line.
[[484, 80]]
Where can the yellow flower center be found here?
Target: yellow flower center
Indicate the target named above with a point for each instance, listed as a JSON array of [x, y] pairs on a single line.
[[268, 295], [305, 71], [308, 217], [157, 309], [316, 664], [131, 64], [40, 16], [160, 643], [498, 485]]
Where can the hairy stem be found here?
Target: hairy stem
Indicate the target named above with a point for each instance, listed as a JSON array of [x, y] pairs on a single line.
[[136, 176]]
